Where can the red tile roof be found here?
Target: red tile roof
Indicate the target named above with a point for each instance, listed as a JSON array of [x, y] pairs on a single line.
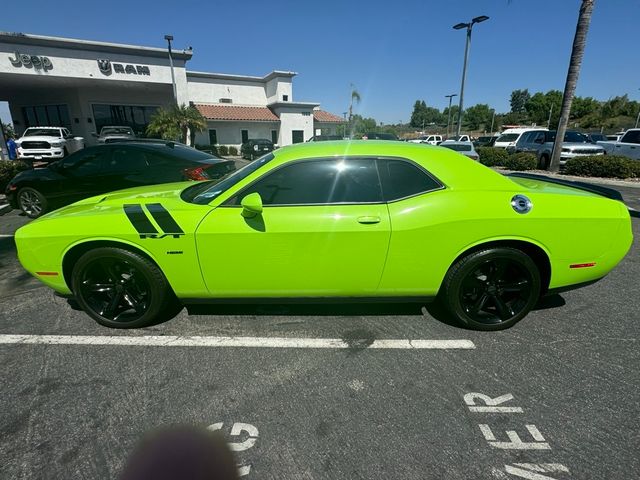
[[237, 112], [322, 116]]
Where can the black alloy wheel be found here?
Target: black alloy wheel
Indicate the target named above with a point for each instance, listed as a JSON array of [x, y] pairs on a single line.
[[492, 289], [122, 289], [32, 202]]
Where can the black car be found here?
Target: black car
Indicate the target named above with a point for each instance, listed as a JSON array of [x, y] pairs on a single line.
[[255, 148], [485, 141], [105, 168], [325, 138], [379, 136]]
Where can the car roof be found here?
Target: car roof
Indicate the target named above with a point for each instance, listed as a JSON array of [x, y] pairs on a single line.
[[451, 168]]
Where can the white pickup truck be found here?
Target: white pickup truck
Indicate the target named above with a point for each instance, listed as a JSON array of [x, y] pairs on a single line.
[[627, 146], [47, 143]]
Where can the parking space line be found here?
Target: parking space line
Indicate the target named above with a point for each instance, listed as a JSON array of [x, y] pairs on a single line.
[[4, 235], [247, 342]]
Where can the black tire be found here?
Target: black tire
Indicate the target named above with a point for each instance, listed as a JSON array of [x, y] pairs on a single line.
[[491, 289], [122, 289], [543, 164], [32, 202]]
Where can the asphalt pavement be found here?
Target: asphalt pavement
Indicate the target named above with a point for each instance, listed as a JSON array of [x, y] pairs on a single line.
[[556, 396]]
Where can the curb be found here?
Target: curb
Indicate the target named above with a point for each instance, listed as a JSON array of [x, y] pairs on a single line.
[[5, 208]]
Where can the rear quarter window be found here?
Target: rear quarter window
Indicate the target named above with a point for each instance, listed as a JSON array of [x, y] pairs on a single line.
[[402, 178]]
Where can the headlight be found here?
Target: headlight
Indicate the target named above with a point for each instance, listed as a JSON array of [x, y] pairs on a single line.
[[255, 147], [566, 150], [55, 143]]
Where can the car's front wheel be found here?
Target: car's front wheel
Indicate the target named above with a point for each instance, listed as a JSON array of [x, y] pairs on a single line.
[[122, 289], [492, 289], [32, 202]]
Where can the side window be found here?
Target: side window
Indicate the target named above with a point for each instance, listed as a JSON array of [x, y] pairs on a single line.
[[402, 179], [87, 162], [319, 182], [127, 160], [631, 137]]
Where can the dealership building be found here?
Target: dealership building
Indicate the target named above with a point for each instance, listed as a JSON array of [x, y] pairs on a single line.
[[85, 85]]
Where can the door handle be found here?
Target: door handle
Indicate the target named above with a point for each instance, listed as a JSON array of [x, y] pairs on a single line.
[[368, 220]]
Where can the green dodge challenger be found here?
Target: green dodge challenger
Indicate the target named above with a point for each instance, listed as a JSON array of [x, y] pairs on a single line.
[[333, 220]]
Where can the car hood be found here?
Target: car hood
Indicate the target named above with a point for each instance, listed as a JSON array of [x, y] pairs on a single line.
[[38, 138]]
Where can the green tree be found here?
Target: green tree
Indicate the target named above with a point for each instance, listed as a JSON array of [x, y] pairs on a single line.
[[7, 130], [424, 116], [477, 116], [577, 51], [363, 125], [541, 105], [518, 100], [355, 97], [177, 123]]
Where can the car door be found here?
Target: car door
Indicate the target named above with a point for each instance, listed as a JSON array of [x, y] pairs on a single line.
[[324, 231], [126, 167], [82, 174]]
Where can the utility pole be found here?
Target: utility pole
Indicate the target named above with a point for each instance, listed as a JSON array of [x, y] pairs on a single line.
[[449, 118], [468, 26], [168, 38], [493, 117]]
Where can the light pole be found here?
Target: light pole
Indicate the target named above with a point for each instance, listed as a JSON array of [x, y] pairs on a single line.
[[493, 117], [468, 26], [168, 38], [449, 118]]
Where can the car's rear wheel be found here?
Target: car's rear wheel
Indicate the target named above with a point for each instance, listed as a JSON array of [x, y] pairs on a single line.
[[32, 202], [122, 289], [492, 289]]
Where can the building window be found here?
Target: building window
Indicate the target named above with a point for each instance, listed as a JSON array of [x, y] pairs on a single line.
[[135, 117], [274, 136], [47, 116], [285, 98], [226, 100], [213, 137], [306, 114], [297, 136], [245, 135]]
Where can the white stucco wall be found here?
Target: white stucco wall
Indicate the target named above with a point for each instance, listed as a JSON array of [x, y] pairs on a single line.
[[230, 133], [292, 118], [277, 87], [205, 90]]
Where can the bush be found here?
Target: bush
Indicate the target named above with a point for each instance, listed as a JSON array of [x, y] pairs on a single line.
[[492, 157], [606, 166], [521, 161], [8, 170], [233, 151], [212, 149], [223, 151]]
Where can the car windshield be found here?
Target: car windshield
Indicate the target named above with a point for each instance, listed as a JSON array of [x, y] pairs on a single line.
[[116, 131], [45, 132], [205, 192], [597, 137], [508, 137], [458, 147]]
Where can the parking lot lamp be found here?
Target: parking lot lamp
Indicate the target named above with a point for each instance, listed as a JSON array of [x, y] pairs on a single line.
[[168, 38], [449, 118], [468, 26], [493, 117]]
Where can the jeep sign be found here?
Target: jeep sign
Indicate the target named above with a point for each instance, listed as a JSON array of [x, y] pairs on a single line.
[[31, 61]]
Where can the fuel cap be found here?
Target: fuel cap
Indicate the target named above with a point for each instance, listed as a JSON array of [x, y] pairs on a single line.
[[521, 204]]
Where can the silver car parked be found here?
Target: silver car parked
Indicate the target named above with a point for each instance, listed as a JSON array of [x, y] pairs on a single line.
[[540, 142]]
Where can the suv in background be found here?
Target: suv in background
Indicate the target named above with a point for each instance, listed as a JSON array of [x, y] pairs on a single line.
[[110, 134], [254, 148], [430, 139], [47, 143], [485, 141], [540, 142], [510, 136], [379, 136]]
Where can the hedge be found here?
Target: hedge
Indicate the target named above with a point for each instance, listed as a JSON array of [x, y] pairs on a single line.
[[233, 151], [8, 170], [212, 149], [521, 161], [223, 151], [492, 157], [605, 166]]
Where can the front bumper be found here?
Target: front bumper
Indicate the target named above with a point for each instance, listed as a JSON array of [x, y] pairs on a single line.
[[40, 154], [564, 156]]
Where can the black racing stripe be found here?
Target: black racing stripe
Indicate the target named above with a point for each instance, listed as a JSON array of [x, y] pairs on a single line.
[[163, 218], [138, 219]]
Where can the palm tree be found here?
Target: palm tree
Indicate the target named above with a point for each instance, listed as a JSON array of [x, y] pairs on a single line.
[[355, 96], [178, 122], [579, 42]]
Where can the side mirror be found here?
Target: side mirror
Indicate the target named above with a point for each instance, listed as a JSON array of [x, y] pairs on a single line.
[[251, 205]]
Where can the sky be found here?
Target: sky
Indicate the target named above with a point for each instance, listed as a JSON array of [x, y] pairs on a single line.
[[393, 52]]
